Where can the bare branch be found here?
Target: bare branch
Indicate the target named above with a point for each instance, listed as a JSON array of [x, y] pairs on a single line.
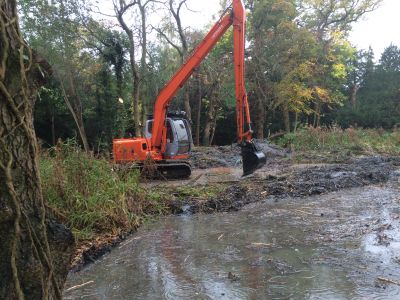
[[160, 32]]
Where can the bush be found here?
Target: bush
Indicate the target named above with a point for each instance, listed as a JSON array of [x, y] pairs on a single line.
[[90, 195], [335, 139]]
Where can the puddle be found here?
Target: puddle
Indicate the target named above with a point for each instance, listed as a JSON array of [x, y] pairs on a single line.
[[318, 247]]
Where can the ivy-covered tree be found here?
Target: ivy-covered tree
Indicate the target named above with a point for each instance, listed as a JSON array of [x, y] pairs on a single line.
[[35, 249]]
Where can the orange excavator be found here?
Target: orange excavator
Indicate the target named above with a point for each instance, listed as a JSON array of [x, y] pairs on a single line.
[[167, 141]]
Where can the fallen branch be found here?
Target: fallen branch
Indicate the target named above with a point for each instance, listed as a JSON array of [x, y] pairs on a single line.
[[261, 244], [388, 280], [79, 286]]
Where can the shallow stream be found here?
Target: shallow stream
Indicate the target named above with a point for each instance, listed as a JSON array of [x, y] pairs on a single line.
[[342, 245]]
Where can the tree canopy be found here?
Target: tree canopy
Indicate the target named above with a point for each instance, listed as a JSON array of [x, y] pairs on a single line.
[[110, 65]]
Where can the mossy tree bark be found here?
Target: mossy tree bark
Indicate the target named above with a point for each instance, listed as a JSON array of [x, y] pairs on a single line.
[[35, 250]]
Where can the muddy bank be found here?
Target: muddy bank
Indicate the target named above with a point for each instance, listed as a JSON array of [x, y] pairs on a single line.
[[294, 182], [286, 180], [88, 252], [229, 156], [202, 158], [340, 245]]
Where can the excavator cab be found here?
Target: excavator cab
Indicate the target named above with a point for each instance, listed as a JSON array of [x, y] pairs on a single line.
[[179, 138]]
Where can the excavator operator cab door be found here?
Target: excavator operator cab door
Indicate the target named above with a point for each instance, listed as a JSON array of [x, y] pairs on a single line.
[[179, 137]]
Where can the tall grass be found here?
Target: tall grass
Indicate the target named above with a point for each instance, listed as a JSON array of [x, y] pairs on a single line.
[[90, 195], [335, 139]]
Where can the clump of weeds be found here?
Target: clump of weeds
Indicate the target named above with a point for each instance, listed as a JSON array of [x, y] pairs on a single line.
[[335, 144], [90, 195]]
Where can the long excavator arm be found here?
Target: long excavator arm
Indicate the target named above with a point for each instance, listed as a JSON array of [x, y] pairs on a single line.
[[237, 18], [242, 106], [182, 75], [253, 158]]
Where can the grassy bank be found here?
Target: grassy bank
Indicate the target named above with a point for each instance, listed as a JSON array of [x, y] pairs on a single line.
[[90, 196], [339, 145], [101, 204]]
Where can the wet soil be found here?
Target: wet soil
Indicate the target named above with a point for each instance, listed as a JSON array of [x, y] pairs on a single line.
[[293, 181], [89, 251], [225, 163], [229, 156]]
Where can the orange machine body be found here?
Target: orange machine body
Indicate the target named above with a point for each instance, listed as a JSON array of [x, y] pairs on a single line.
[[138, 150], [133, 149]]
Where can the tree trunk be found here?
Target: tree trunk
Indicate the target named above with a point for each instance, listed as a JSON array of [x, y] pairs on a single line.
[[135, 74], [214, 127], [296, 119], [286, 117], [72, 100], [182, 50], [77, 116], [353, 95], [135, 89], [261, 87], [143, 66], [210, 117], [53, 130], [136, 110], [35, 249], [317, 112], [260, 118], [186, 100], [198, 116]]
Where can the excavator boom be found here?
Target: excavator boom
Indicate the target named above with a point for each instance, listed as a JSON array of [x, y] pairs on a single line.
[[182, 75], [253, 158]]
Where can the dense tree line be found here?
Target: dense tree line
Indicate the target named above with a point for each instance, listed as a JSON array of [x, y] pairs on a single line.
[[110, 64], [375, 98]]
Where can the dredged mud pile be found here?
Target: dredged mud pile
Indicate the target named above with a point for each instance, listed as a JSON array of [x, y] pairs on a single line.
[[299, 182], [229, 156]]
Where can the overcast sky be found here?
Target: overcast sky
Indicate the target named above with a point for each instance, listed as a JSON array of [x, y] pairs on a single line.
[[377, 29]]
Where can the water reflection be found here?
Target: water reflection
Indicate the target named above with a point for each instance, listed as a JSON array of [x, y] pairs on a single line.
[[284, 250]]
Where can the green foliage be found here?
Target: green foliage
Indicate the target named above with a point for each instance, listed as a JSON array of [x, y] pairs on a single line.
[[298, 60], [203, 191], [377, 102], [329, 16], [390, 59], [92, 196], [335, 140]]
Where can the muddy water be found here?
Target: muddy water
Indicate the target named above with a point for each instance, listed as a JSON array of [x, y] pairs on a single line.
[[333, 246]]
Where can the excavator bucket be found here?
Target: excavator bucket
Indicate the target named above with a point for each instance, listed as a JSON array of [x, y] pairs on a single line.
[[252, 157]]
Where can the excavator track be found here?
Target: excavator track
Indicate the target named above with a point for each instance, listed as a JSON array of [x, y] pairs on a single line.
[[173, 169], [164, 169]]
